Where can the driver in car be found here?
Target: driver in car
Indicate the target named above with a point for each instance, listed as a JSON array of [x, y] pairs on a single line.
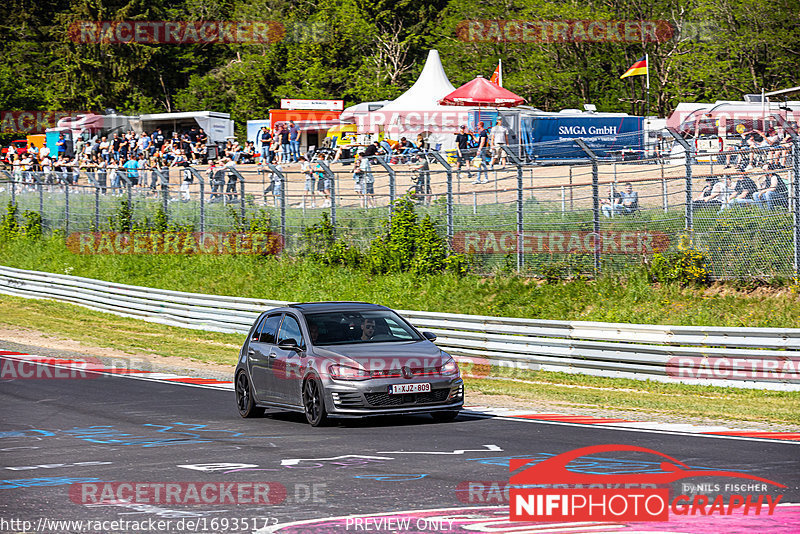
[[367, 329]]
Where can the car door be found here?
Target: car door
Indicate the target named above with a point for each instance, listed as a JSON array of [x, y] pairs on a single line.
[[287, 364], [259, 352]]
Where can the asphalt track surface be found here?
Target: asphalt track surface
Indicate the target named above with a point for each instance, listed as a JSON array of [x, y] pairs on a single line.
[[58, 433]]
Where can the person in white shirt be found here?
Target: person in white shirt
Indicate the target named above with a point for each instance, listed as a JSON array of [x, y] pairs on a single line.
[[105, 147], [499, 137]]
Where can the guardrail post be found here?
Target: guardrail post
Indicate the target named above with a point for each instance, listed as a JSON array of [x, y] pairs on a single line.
[[282, 181], [449, 170], [13, 191], [595, 203], [689, 159]]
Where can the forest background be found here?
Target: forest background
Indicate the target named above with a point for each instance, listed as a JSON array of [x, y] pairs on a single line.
[[360, 50]]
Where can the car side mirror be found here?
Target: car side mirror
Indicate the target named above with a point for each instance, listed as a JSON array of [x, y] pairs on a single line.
[[289, 344], [430, 336]]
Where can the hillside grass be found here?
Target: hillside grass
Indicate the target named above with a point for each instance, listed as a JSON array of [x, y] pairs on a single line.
[[630, 299]]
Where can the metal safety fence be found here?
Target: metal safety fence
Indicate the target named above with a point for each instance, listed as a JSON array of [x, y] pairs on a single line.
[[555, 217], [762, 358]]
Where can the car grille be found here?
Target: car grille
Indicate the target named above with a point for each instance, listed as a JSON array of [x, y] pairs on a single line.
[[385, 399]]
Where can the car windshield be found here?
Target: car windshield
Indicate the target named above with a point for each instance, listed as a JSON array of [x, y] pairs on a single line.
[[378, 326]]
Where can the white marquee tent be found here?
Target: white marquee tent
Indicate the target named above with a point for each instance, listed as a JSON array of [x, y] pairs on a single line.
[[418, 110]]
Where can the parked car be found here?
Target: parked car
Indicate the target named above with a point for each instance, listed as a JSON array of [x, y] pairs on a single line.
[[20, 146], [344, 359]]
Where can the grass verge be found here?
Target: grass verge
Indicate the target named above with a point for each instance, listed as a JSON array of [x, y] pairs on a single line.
[[566, 390], [110, 331], [630, 299]]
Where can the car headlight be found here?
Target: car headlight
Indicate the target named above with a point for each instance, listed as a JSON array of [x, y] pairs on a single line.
[[339, 371], [449, 365]]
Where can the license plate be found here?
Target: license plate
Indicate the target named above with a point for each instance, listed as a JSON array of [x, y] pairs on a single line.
[[409, 388]]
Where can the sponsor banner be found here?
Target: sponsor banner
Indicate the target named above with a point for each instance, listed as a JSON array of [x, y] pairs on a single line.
[[558, 242], [176, 31], [174, 243], [295, 103], [564, 31], [34, 121], [178, 493], [548, 490], [729, 368], [411, 121], [538, 504]]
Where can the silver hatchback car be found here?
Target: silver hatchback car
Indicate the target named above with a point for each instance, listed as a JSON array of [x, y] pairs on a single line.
[[345, 359]]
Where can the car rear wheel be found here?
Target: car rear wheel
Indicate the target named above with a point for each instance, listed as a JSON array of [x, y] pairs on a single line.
[[244, 397], [444, 416], [314, 402]]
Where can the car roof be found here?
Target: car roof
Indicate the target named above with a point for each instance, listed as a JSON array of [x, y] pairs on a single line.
[[335, 306]]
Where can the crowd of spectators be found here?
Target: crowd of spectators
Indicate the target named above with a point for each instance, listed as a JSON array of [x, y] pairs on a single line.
[[121, 160]]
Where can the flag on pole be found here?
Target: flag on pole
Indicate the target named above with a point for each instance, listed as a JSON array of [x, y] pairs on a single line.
[[497, 76], [637, 69]]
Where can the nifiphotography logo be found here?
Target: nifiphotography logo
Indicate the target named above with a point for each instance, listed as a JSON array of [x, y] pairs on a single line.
[[548, 491]]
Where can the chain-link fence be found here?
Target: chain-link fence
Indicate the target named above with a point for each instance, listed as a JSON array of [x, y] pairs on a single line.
[[738, 206]]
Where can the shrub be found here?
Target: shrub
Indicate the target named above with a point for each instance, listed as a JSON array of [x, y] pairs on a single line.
[[686, 265]]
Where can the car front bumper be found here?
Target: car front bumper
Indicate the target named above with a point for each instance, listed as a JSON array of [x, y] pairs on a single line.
[[358, 399]]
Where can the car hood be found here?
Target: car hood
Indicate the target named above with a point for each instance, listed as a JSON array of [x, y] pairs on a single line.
[[394, 354]]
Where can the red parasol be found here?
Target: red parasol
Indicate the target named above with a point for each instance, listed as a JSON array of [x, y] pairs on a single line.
[[482, 92]]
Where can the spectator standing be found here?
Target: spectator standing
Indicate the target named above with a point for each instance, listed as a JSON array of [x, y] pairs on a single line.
[[114, 175], [142, 164], [61, 146], [294, 141], [324, 183], [310, 182], [483, 153], [285, 145], [44, 152], [265, 144], [276, 185], [230, 167], [105, 149], [115, 145], [499, 139], [101, 173], [131, 167], [463, 153]]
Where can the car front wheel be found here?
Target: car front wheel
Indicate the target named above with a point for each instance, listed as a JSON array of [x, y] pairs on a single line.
[[314, 402], [244, 397]]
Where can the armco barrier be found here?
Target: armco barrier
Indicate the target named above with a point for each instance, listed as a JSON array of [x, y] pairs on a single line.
[[742, 357]]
